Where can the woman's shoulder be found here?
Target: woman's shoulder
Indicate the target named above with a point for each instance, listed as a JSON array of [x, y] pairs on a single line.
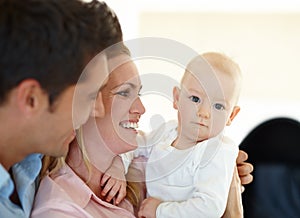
[[53, 201], [64, 187]]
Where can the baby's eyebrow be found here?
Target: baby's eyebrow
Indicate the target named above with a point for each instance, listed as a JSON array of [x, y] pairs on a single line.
[[196, 91], [225, 101]]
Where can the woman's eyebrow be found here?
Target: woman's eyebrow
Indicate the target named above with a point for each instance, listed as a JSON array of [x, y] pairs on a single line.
[[127, 83]]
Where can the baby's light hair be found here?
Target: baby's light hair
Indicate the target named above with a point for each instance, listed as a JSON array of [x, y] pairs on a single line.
[[217, 61]]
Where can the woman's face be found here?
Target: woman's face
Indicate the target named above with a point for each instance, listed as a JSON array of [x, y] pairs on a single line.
[[123, 108]]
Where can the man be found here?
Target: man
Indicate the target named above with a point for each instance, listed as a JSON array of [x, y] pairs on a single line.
[[44, 47]]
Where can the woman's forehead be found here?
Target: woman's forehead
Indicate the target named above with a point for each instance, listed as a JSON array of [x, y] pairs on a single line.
[[127, 72]]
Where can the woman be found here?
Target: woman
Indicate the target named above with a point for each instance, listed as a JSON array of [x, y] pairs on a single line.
[[72, 191]]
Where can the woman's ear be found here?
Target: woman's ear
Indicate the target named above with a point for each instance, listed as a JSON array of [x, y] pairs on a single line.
[[235, 111], [98, 109], [176, 93]]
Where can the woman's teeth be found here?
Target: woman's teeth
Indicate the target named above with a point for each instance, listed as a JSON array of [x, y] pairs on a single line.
[[128, 125]]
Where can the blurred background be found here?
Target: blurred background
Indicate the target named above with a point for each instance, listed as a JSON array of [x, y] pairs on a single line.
[[263, 37]]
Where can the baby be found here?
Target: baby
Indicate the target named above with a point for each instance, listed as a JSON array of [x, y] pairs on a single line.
[[191, 162]]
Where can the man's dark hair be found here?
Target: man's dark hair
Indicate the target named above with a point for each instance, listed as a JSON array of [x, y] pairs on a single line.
[[51, 41]]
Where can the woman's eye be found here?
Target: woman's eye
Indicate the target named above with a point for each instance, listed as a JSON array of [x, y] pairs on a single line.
[[219, 107], [195, 99], [123, 93]]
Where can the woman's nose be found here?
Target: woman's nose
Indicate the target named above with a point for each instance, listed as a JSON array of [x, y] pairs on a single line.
[[137, 107]]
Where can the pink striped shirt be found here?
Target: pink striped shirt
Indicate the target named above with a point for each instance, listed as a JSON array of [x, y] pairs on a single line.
[[66, 195]]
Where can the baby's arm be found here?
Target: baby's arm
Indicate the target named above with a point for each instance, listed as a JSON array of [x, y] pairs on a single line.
[[113, 181]]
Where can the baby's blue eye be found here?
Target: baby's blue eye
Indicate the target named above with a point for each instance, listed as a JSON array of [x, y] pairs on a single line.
[[219, 107], [195, 99]]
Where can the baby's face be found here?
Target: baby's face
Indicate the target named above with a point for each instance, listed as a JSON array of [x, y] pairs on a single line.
[[205, 103]]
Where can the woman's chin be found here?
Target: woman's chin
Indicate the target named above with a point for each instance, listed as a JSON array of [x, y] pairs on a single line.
[[126, 147]]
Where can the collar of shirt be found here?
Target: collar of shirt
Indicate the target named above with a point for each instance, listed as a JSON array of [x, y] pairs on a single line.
[[25, 174], [65, 184], [6, 184], [73, 186]]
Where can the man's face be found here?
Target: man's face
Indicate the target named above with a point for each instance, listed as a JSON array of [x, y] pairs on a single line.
[[57, 126], [71, 109]]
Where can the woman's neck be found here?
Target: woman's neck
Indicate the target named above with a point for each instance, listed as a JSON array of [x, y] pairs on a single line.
[[90, 172], [98, 151]]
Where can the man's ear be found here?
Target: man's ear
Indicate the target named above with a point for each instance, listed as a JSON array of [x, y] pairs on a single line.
[[176, 93], [235, 111], [31, 97], [98, 109]]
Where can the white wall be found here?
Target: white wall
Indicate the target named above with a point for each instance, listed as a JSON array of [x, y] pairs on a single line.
[[262, 36]]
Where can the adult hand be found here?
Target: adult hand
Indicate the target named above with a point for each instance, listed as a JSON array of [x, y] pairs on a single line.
[[244, 169], [148, 208]]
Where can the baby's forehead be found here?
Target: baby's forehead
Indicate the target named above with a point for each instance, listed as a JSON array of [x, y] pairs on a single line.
[[200, 77], [211, 62], [200, 83], [206, 74], [211, 84]]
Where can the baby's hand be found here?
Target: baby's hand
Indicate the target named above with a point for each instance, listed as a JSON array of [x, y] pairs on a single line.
[[148, 207], [113, 187], [113, 182]]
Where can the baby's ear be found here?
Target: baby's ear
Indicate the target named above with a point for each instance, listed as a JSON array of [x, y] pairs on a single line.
[[176, 93], [235, 111], [98, 109]]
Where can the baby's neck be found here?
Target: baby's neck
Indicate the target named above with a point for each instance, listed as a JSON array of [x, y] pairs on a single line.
[[182, 143]]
